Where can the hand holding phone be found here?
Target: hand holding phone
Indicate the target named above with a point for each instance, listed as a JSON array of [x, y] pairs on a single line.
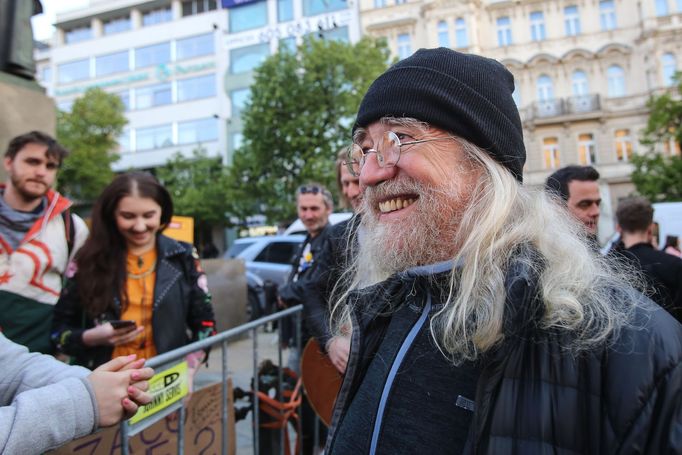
[[120, 324]]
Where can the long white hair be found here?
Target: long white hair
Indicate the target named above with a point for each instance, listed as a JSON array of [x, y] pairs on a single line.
[[581, 291]]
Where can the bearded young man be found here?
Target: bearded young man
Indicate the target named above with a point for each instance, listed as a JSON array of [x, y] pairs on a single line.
[[480, 320], [38, 237]]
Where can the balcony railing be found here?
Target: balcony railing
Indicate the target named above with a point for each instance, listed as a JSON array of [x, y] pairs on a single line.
[[583, 103], [548, 108], [565, 106]]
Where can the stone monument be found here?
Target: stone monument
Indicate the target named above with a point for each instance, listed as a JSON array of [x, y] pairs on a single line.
[[25, 106]]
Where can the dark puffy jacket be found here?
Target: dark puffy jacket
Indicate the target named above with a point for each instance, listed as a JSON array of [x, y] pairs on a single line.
[[179, 304], [532, 395]]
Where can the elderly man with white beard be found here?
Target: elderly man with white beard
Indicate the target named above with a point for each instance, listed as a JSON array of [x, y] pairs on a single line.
[[480, 321]]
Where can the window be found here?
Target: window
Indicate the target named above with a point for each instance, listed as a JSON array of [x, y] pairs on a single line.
[[671, 147], [623, 145], [607, 15], [117, 25], [586, 149], [46, 74], [315, 7], [335, 34], [404, 45], [191, 7], [73, 71], [379, 3], [461, 39], [124, 141], [571, 21], [669, 66], [443, 34], [125, 99], [239, 98], [77, 34], [237, 248], [193, 131], [65, 106], [196, 87], [285, 10], [400, 2], [278, 252], [550, 149], [194, 46], [153, 95], [111, 63], [579, 83], [247, 17], [237, 139], [288, 44], [545, 88], [504, 33], [152, 55], [154, 137], [615, 77], [157, 16], [661, 7], [245, 59], [537, 26], [516, 96]]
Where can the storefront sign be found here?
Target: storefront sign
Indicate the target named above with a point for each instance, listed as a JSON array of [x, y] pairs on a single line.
[[161, 73], [232, 3]]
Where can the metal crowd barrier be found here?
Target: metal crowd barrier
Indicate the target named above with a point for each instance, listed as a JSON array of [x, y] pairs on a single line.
[[168, 359]]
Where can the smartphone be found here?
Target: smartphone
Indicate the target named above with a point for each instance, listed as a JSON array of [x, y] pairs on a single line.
[[120, 324]]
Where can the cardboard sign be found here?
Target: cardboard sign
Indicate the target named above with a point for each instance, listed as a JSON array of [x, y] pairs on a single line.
[[166, 388], [202, 431]]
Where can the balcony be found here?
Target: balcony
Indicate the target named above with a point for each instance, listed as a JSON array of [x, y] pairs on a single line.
[[574, 106]]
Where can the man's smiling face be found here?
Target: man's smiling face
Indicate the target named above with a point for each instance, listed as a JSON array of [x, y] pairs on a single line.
[[413, 209]]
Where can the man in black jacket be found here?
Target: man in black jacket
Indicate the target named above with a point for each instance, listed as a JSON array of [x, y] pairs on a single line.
[[480, 319], [663, 271]]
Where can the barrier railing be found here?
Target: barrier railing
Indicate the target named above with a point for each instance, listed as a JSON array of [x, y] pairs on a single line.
[[168, 359]]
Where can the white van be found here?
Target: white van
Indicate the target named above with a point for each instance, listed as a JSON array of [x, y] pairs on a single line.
[[297, 226], [668, 215]]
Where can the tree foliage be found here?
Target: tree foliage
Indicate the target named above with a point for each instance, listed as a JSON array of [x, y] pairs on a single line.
[[90, 132], [299, 116], [656, 176], [198, 186]]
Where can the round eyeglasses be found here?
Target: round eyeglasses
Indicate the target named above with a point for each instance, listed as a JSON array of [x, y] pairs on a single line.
[[388, 151]]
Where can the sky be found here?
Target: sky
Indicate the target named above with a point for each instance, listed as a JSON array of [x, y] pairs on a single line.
[[42, 23]]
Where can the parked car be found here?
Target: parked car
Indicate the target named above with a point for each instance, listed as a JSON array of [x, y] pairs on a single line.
[[297, 226], [268, 265]]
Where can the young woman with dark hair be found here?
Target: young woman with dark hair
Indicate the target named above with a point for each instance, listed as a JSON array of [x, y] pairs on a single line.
[[134, 291]]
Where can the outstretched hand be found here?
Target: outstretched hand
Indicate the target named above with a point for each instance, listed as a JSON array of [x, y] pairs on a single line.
[[120, 387]]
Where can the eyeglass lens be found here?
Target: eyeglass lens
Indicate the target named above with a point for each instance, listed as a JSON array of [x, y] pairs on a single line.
[[387, 151]]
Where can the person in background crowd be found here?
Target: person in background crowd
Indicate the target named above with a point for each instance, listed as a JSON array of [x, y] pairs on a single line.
[[128, 271], [314, 204], [662, 271], [578, 187], [672, 245], [38, 237], [481, 320], [335, 255], [45, 403]]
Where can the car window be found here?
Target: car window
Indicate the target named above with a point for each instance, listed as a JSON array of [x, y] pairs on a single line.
[[237, 248], [278, 252]]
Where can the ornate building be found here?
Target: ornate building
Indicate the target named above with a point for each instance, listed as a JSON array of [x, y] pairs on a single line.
[[584, 70]]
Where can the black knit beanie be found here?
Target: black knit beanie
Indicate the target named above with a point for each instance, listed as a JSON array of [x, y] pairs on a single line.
[[467, 95]]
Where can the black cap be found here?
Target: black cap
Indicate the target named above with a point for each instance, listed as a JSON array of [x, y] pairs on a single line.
[[467, 95]]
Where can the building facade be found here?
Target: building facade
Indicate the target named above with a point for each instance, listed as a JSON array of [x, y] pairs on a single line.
[[162, 58], [182, 68], [584, 70]]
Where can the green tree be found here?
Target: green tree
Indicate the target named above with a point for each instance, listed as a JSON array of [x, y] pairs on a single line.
[[299, 116], [198, 185], [656, 176], [90, 131]]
